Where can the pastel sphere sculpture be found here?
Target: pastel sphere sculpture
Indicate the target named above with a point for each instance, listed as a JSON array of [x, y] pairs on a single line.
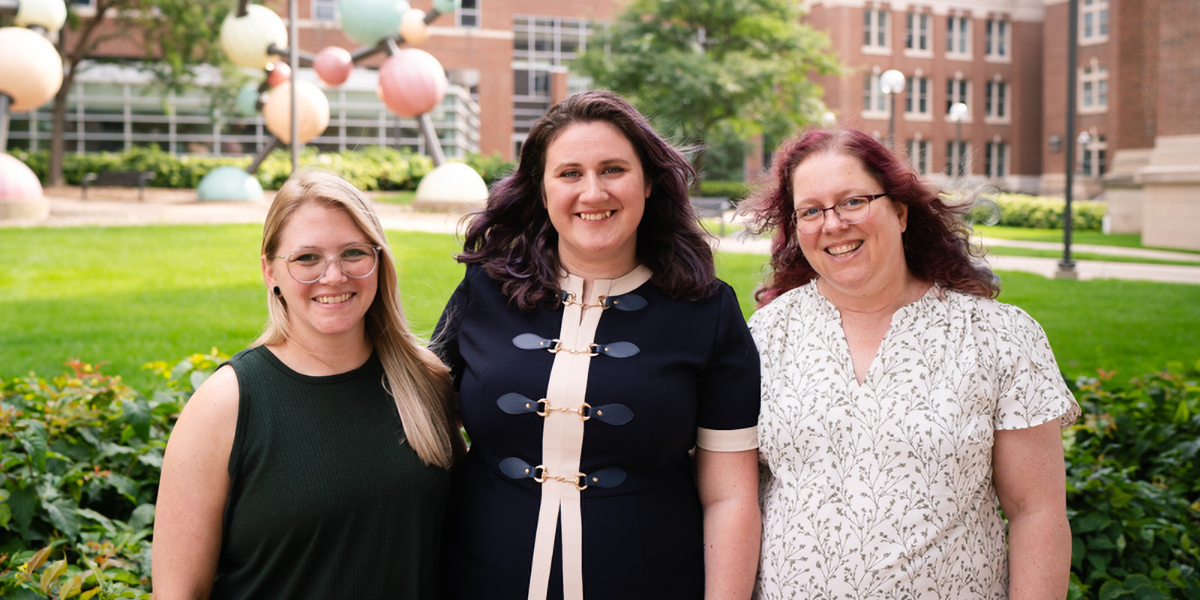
[[246, 39], [247, 100], [371, 21], [279, 73], [413, 27], [20, 191], [411, 82], [312, 112], [229, 183], [50, 14], [446, 6], [451, 186], [333, 65], [32, 80]]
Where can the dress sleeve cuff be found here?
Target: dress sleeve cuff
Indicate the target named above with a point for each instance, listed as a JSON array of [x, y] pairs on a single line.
[[727, 440]]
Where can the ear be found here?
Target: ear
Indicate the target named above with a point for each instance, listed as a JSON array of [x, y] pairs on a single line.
[[902, 214], [267, 271], [649, 186]]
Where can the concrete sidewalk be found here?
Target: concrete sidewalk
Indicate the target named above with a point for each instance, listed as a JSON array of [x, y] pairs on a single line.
[[111, 207]]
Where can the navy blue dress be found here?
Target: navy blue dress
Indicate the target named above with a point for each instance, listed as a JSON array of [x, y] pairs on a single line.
[[663, 370]]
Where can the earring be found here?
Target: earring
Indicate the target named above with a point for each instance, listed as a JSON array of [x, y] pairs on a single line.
[[278, 293]]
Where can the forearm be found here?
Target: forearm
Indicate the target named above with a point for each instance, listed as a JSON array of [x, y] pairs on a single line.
[[1039, 556], [732, 534]]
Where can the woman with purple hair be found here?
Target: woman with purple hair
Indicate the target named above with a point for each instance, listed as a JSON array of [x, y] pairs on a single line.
[[607, 380], [902, 406]]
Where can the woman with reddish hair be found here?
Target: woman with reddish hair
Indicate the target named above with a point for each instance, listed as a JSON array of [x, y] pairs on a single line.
[[902, 406]]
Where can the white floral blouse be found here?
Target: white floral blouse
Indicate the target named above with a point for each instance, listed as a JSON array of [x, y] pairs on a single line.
[[884, 490]]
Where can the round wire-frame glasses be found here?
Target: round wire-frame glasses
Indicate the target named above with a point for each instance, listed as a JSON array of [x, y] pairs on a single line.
[[357, 261], [851, 211]]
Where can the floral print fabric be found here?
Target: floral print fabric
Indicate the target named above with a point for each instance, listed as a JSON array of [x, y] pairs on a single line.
[[884, 490]]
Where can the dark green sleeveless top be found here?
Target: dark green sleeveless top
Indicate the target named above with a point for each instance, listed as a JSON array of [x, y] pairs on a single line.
[[326, 499]]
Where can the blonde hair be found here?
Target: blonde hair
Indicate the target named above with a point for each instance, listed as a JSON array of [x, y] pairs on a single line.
[[418, 382]]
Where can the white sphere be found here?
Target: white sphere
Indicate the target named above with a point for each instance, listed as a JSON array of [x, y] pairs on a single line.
[[246, 39], [50, 14], [413, 28], [32, 80], [313, 111], [450, 186]]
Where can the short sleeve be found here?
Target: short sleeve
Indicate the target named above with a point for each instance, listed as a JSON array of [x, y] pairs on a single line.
[[728, 386], [444, 342], [1032, 390]]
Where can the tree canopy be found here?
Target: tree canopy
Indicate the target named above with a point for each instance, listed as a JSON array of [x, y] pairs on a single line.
[[693, 66]]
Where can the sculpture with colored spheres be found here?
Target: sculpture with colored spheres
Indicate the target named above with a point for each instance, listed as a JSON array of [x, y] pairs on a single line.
[[312, 111], [333, 65], [411, 82]]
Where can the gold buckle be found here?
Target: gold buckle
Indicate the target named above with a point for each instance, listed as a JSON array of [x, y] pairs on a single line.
[[583, 411], [540, 475], [572, 299], [556, 347]]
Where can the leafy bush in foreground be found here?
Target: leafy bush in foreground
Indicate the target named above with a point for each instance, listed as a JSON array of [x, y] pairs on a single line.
[[1133, 488], [81, 456], [1040, 212]]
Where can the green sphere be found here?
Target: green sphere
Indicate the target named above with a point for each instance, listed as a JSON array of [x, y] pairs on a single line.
[[446, 6], [229, 183], [371, 21]]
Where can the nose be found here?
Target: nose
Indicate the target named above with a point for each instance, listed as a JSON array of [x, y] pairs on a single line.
[[837, 224], [593, 188], [333, 264]]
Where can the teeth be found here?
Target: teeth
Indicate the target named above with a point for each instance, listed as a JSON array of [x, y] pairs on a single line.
[[333, 299], [844, 248], [596, 216]]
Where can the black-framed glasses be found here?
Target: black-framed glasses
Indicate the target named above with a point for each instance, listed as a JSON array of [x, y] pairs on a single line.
[[851, 211], [356, 261]]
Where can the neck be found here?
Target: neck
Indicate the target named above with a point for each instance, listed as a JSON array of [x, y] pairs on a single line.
[[883, 300], [590, 272], [329, 357]]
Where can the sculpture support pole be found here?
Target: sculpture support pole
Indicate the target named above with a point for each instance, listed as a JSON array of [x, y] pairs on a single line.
[[5, 102], [432, 144], [294, 59], [262, 155]]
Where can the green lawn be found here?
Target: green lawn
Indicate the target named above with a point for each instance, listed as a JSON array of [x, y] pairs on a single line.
[[1124, 240], [130, 295], [1014, 251]]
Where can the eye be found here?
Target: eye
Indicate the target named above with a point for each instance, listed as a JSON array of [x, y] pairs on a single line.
[[614, 169], [307, 258], [356, 253], [569, 173], [808, 213], [855, 201]]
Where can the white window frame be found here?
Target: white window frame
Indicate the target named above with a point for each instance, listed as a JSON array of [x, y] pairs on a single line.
[[316, 7], [1093, 22], [918, 39], [996, 161], [997, 109], [958, 37], [1092, 157], [964, 147], [958, 89], [998, 45], [875, 102], [919, 152], [877, 34], [918, 98], [1093, 89], [469, 16]]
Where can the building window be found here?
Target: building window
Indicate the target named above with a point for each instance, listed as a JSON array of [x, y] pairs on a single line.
[[918, 155], [917, 38], [1093, 21], [958, 36], [874, 100], [468, 13], [916, 101], [1093, 89], [957, 90], [875, 29], [958, 158], [997, 159], [997, 100], [543, 45], [1092, 157], [324, 10], [998, 40]]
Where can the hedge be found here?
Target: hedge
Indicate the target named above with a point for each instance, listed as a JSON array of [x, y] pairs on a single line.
[[373, 168], [1040, 212]]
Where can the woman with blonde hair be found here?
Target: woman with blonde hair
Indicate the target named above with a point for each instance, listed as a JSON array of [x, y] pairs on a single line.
[[313, 464]]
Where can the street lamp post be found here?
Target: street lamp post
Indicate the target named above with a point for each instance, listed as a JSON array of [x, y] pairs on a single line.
[[958, 112], [891, 82]]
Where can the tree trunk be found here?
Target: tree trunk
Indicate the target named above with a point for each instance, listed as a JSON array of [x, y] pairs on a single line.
[[54, 172]]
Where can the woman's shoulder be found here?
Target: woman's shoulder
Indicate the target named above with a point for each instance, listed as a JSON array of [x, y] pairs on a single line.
[[803, 299], [988, 310]]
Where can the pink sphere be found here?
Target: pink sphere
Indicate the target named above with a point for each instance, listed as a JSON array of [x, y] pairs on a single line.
[[412, 82], [333, 65], [280, 74], [17, 181]]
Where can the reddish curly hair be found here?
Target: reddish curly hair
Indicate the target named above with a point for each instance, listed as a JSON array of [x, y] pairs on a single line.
[[936, 242]]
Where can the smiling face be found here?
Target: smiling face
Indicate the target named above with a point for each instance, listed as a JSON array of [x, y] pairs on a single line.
[[334, 305], [861, 260], [595, 193]]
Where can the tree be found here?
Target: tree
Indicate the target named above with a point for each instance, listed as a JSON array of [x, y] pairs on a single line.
[[177, 36], [694, 65]]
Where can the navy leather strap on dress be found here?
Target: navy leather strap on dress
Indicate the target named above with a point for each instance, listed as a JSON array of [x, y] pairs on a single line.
[[624, 302], [517, 404], [533, 341], [609, 477]]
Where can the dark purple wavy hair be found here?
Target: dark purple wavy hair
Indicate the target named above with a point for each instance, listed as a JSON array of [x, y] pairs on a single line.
[[936, 241], [513, 237]]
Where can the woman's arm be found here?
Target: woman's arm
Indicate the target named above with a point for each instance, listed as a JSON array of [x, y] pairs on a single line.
[[1031, 483], [192, 491], [728, 483]]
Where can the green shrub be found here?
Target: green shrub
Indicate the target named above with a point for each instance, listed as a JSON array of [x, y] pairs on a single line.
[[81, 458], [1039, 212], [734, 190], [1133, 488]]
